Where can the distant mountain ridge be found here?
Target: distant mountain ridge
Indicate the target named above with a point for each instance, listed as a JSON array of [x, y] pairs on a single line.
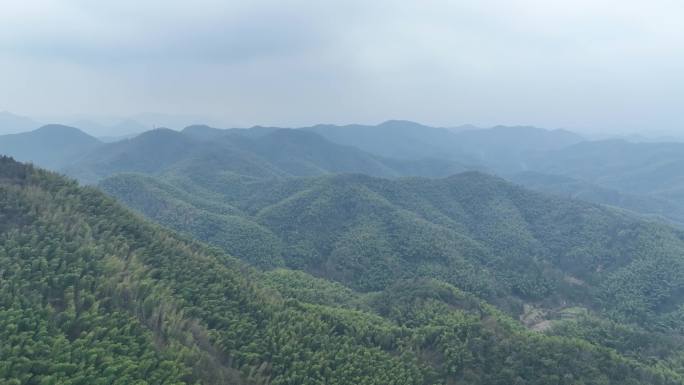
[[494, 148], [15, 124], [643, 177], [53, 146], [365, 272], [257, 153], [500, 148]]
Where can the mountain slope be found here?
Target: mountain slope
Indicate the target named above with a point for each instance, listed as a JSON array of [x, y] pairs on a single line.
[[150, 152], [643, 177], [649, 205], [500, 148], [636, 167], [52, 146], [393, 139], [477, 232], [125, 277], [507, 149], [91, 294], [236, 154]]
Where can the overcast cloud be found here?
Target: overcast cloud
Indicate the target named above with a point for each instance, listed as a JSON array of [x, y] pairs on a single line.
[[588, 65]]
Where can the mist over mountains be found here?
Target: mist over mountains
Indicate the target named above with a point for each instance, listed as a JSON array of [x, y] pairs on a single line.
[[345, 253], [344, 192], [638, 176], [14, 124]]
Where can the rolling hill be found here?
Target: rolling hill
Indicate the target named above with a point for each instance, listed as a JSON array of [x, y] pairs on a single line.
[[640, 177], [502, 149], [53, 146], [482, 234], [642, 168], [649, 205], [242, 154], [89, 292], [647, 178]]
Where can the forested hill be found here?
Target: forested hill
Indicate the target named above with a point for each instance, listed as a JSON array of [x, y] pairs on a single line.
[[647, 178], [90, 293], [666, 205], [649, 169], [480, 233], [240, 154], [53, 145], [501, 148], [641, 177]]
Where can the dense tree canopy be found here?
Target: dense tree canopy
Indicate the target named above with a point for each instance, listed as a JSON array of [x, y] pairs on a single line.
[[90, 293], [477, 232]]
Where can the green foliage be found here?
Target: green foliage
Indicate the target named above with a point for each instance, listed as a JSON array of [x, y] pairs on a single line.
[[306, 288], [643, 177], [206, 220], [116, 297], [240, 154], [476, 232], [90, 293]]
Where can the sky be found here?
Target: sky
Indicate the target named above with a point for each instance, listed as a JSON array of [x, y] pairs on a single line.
[[592, 66]]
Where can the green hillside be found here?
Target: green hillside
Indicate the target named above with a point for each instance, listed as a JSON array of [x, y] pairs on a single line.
[[649, 205], [240, 154], [645, 178], [641, 177], [90, 293], [477, 232], [500, 148]]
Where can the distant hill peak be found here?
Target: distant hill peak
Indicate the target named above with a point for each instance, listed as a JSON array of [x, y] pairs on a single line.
[[160, 132], [58, 134], [61, 129], [401, 123], [198, 127], [52, 145], [203, 132]]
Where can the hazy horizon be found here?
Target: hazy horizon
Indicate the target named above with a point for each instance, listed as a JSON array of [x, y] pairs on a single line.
[[595, 68], [113, 127]]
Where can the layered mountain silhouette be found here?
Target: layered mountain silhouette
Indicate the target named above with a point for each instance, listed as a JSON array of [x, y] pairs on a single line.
[[641, 177]]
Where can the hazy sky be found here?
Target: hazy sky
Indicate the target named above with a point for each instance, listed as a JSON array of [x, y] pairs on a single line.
[[581, 64]]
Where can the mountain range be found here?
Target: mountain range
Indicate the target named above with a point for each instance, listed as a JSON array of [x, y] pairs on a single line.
[[482, 234], [340, 254], [551, 161], [91, 292]]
